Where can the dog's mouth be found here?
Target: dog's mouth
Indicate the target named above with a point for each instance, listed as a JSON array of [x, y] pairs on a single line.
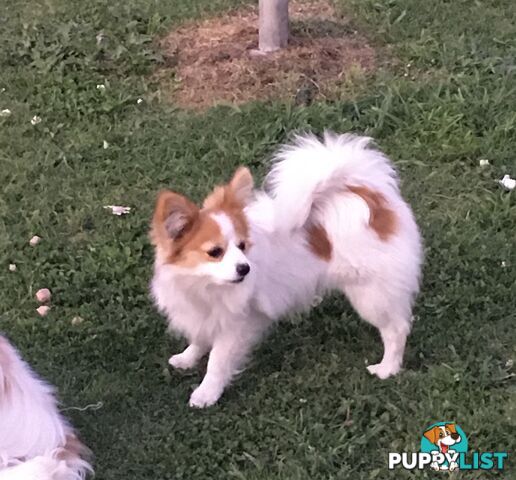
[[238, 280], [444, 448]]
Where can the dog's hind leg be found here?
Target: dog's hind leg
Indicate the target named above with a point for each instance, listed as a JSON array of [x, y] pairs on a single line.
[[391, 314]]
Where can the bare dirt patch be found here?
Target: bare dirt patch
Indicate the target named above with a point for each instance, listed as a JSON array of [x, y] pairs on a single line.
[[215, 61]]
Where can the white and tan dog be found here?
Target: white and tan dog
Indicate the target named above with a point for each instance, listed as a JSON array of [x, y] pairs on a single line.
[[36, 442], [332, 219], [444, 436]]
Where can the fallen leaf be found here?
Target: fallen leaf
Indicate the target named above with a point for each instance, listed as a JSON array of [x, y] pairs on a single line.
[[118, 209], [77, 320]]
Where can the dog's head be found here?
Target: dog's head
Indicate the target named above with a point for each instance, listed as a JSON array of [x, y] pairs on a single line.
[[211, 241], [443, 436]]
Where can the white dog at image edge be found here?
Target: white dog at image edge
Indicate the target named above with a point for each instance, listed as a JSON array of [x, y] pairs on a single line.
[[36, 442], [331, 218]]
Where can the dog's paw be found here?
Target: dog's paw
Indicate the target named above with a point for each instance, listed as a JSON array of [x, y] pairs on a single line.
[[182, 361], [203, 397], [382, 370], [453, 466], [435, 466]]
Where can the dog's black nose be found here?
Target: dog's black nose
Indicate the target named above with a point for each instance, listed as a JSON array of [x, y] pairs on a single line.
[[243, 269], [455, 436]]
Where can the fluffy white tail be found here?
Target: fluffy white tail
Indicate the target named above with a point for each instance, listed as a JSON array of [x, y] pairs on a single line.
[[308, 171], [35, 440]]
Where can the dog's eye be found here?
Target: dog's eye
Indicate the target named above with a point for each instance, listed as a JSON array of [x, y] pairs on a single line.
[[441, 434], [241, 245], [215, 252]]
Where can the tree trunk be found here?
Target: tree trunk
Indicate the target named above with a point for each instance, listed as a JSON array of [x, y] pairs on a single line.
[[273, 25]]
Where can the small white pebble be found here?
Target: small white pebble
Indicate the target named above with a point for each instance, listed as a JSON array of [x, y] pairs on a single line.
[[5, 112], [13, 267], [140, 100], [507, 182], [43, 310], [34, 241], [483, 162], [118, 209], [99, 37], [405, 74], [105, 145], [43, 295], [35, 120], [503, 264], [77, 320], [101, 86]]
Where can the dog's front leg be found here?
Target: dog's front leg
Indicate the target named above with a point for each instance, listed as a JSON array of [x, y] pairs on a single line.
[[226, 358], [189, 357]]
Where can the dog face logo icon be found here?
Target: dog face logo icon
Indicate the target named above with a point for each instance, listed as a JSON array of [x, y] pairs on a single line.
[[446, 439], [443, 436]]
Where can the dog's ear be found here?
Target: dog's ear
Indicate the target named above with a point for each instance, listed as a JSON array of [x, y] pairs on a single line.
[[432, 435], [236, 194], [242, 185], [451, 427], [174, 215]]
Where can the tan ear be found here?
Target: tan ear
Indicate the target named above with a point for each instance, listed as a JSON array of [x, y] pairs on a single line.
[[174, 215], [432, 434], [242, 185], [451, 427]]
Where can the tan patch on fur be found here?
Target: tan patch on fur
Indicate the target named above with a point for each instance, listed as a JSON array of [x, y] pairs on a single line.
[[382, 219], [231, 200], [191, 250], [73, 450], [319, 242]]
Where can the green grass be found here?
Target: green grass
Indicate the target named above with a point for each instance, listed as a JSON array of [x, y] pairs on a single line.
[[306, 407]]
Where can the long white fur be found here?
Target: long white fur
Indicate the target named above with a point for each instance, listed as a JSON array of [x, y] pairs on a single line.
[[307, 185], [32, 431]]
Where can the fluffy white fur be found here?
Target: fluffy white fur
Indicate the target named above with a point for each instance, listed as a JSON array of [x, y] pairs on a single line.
[[307, 185], [33, 434]]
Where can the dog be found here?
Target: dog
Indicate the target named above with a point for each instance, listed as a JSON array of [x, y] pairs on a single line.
[[36, 442], [331, 217], [444, 437]]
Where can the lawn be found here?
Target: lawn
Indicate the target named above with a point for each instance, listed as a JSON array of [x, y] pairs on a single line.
[[443, 98]]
